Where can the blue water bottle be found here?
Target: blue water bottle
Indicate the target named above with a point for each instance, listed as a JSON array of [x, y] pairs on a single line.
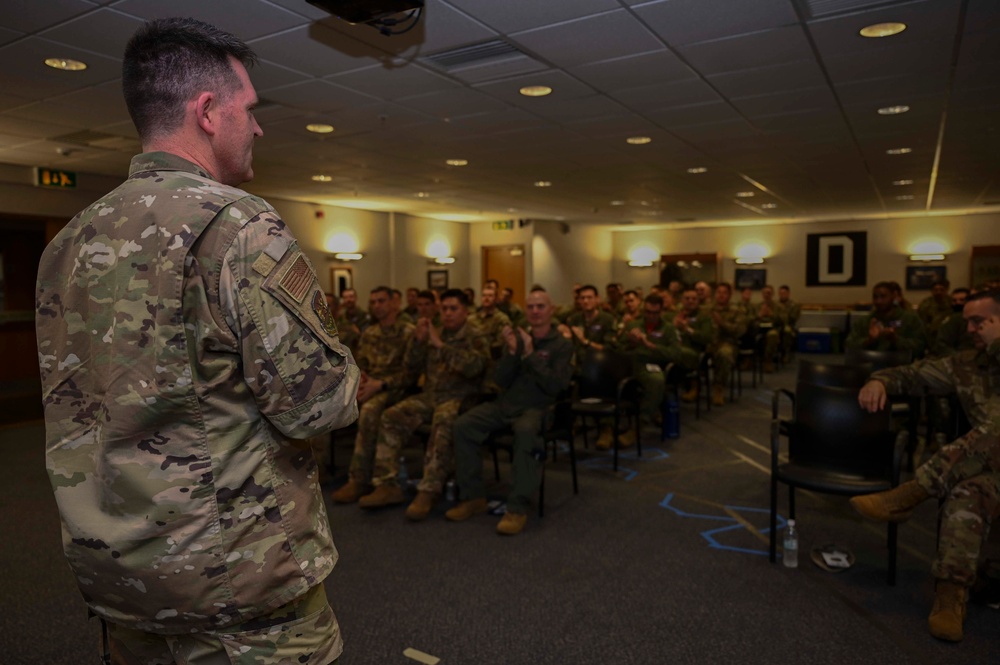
[[671, 418]]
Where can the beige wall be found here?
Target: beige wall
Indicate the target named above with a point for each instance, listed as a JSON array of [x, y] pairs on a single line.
[[560, 260], [889, 244]]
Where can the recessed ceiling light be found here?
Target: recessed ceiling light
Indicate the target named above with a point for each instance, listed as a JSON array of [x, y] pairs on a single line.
[[511, 209], [543, 183], [905, 197], [66, 64], [902, 182], [893, 110], [882, 29], [535, 90], [617, 203], [319, 128], [457, 162], [422, 195], [744, 195], [697, 169], [639, 140], [769, 206], [322, 178], [898, 151]]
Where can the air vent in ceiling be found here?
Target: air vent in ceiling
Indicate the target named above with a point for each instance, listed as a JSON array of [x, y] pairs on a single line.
[[817, 8], [484, 61]]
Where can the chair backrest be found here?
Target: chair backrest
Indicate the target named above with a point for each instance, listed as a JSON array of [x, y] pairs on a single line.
[[598, 373], [877, 359], [831, 431], [834, 376]]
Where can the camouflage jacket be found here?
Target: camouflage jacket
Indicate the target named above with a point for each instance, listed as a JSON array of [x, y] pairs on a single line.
[[793, 311], [663, 338], [348, 332], [491, 324], [952, 335], [381, 351], [734, 323], [909, 332], [358, 317], [698, 331], [600, 330], [974, 376], [535, 380], [931, 312], [183, 340], [456, 369]]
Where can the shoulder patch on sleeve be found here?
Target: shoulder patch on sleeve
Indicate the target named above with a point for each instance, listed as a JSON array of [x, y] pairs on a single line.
[[323, 313], [277, 248], [264, 265], [297, 278]]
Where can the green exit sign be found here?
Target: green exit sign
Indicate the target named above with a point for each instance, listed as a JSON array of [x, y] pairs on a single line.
[[54, 178], [506, 225]]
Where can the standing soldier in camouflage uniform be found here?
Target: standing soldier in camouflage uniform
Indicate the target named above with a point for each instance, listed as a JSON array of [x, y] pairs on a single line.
[[653, 343], [383, 380], [454, 360], [965, 474], [491, 320], [792, 312], [730, 324], [184, 342]]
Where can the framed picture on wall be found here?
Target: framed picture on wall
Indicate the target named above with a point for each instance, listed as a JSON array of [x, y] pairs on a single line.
[[750, 278], [340, 279], [437, 279], [922, 278]]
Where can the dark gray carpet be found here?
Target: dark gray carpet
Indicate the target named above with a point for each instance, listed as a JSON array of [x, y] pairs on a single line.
[[608, 576]]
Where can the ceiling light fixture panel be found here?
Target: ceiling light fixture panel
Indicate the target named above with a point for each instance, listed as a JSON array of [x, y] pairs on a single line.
[[877, 30], [535, 90], [457, 162], [893, 110], [638, 140], [66, 64], [319, 128]]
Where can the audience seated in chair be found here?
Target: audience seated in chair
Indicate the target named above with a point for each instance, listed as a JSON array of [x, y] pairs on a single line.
[[532, 371], [888, 327], [730, 324], [383, 382], [965, 474], [695, 330], [453, 361]]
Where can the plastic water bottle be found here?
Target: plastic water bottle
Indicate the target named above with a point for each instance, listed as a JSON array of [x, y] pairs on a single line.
[[790, 557], [672, 419], [403, 478]]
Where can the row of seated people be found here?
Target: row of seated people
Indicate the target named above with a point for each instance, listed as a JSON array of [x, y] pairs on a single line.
[[528, 367]]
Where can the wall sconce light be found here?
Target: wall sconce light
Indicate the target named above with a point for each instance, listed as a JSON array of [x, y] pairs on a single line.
[[751, 254], [348, 256], [928, 250], [643, 256], [442, 260], [749, 260]]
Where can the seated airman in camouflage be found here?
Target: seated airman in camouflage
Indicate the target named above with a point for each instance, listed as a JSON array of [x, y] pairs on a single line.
[[653, 343], [632, 309], [770, 322], [953, 335], [592, 328], [889, 326], [933, 309], [696, 331], [792, 312], [397, 304], [427, 307], [453, 360], [383, 381], [965, 474], [730, 324], [491, 320]]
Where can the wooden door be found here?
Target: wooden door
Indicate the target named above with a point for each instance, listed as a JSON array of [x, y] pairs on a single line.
[[505, 264]]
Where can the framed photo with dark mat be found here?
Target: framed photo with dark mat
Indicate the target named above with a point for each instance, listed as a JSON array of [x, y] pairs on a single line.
[[922, 278], [437, 280], [750, 278]]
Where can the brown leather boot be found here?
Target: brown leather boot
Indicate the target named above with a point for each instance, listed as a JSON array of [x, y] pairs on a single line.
[[384, 495], [718, 395], [605, 439], [351, 492], [948, 613], [626, 438], [512, 524], [895, 505], [421, 506], [467, 509], [690, 395]]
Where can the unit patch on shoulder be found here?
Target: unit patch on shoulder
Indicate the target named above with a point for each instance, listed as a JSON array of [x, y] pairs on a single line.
[[264, 265], [323, 312], [297, 278]]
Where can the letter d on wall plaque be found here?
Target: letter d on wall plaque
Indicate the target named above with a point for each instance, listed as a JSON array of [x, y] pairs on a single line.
[[836, 259]]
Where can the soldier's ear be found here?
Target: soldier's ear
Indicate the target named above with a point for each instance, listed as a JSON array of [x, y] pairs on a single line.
[[206, 110]]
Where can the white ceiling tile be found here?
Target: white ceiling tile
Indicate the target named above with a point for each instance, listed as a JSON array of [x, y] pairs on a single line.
[[592, 39], [633, 71], [393, 82], [23, 71], [104, 31], [31, 15], [689, 21], [230, 15], [758, 49], [511, 16], [317, 95]]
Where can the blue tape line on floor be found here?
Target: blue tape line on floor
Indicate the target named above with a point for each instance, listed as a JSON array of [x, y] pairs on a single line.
[[735, 524]]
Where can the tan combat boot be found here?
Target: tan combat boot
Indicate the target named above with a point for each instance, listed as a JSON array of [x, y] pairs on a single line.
[[467, 509], [512, 524], [895, 505], [605, 439], [690, 395], [948, 613], [384, 495], [718, 395], [626, 438], [351, 492], [421, 506]]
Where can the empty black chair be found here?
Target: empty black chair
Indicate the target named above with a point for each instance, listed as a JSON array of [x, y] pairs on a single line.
[[834, 376], [877, 359], [558, 426], [605, 388], [834, 447]]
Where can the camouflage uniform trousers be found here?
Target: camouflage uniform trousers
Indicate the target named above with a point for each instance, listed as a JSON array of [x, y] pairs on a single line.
[[303, 631], [654, 381], [723, 361], [771, 341], [966, 474], [363, 458], [398, 424]]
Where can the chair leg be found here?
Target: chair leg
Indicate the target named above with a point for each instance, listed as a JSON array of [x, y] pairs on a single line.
[[773, 544], [614, 440], [791, 502], [638, 435], [572, 465], [893, 532], [541, 493]]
